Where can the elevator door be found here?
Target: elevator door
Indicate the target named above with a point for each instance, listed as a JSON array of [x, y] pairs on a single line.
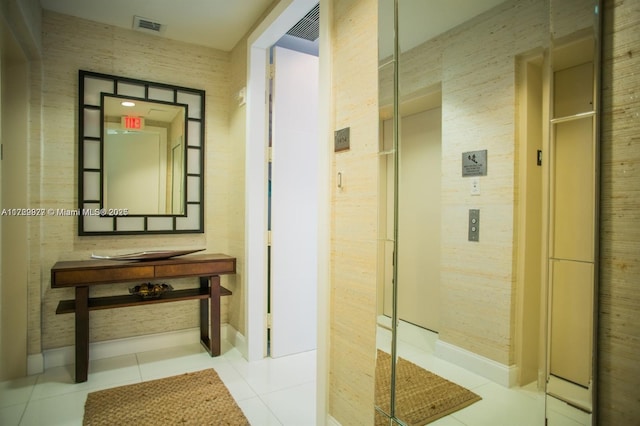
[[419, 221]]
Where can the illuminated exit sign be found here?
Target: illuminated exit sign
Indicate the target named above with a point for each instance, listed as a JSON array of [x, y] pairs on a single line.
[[132, 123]]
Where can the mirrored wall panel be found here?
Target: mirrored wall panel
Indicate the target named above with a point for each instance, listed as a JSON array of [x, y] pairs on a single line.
[[488, 177], [141, 156]]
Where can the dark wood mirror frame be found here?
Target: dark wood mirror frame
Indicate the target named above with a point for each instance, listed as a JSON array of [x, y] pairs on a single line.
[[93, 217]]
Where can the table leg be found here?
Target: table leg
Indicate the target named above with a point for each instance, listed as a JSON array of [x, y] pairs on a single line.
[[204, 315], [214, 315], [82, 334], [210, 315]]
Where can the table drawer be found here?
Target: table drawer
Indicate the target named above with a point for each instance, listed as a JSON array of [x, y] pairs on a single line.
[[196, 269], [68, 278]]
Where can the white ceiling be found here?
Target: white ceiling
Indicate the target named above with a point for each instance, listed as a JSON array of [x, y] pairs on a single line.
[[421, 20], [219, 24], [222, 23]]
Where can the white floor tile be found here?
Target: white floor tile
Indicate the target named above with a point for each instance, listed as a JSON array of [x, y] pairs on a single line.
[[10, 415], [238, 387], [560, 413], [501, 407], [103, 374], [447, 421], [173, 361], [295, 406], [258, 413], [16, 391], [272, 374], [62, 410]]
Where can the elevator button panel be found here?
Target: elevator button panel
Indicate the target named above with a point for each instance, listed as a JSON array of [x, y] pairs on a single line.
[[474, 225]]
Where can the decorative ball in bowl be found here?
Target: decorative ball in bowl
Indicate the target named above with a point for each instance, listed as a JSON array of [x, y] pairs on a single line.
[[150, 290]]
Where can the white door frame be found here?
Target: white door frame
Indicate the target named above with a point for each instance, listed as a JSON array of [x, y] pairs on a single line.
[[286, 14]]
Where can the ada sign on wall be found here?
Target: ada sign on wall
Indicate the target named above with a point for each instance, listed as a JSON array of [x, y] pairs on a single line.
[[474, 163]]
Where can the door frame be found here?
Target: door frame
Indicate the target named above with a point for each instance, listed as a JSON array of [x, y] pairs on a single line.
[[523, 337], [283, 16]]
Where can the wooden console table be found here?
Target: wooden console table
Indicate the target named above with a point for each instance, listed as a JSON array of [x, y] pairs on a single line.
[[86, 273]]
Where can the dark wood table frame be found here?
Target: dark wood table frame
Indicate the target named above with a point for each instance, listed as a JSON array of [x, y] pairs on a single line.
[[85, 273]]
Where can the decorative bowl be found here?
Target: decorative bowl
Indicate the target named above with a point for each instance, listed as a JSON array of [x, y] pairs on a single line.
[[150, 290]]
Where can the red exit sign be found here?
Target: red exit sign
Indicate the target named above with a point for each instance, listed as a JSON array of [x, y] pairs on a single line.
[[134, 123]]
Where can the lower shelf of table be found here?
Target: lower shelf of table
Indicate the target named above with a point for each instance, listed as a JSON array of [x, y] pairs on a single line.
[[108, 302]]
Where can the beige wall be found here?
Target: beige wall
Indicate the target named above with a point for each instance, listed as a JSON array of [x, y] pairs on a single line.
[[70, 44], [14, 132], [619, 321], [354, 215]]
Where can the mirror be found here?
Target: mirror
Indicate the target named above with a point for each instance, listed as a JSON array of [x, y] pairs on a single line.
[[483, 104], [142, 165], [143, 156]]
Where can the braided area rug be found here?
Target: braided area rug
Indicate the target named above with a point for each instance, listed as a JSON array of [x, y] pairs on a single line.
[[421, 396], [198, 398]]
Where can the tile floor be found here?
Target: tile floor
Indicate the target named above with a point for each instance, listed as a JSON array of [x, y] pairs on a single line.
[[270, 392], [499, 406]]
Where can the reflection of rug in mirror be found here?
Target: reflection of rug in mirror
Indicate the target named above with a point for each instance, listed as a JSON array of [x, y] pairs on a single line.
[[421, 396], [189, 399]]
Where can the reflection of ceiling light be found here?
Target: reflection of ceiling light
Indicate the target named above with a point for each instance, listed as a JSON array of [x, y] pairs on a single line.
[[128, 104]]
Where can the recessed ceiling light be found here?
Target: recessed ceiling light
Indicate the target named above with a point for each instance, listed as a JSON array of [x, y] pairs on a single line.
[[128, 103]]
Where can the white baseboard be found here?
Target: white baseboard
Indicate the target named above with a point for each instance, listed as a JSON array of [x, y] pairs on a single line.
[[58, 357], [332, 422], [236, 339], [570, 393], [496, 372], [35, 364]]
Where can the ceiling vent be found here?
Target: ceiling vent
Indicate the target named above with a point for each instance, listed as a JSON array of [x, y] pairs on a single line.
[[308, 28], [147, 25]]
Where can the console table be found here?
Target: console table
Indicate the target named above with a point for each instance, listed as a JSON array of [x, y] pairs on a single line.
[[86, 273]]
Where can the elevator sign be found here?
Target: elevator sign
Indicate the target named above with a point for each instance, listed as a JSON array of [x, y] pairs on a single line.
[[474, 163], [132, 123]]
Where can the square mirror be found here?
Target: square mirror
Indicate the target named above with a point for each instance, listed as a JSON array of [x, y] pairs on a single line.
[[141, 156]]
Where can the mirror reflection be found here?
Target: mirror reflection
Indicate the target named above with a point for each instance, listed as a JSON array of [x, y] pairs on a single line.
[[144, 156], [485, 284]]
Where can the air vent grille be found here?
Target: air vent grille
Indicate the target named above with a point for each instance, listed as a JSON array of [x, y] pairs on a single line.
[[147, 25], [308, 28], [153, 26]]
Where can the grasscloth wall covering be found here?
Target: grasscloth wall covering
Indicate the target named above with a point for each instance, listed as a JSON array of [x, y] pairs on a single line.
[[354, 213], [619, 328], [619, 333], [70, 44]]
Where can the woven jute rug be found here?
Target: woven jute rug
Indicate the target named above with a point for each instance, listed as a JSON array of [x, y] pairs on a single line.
[[198, 398], [421, 396]]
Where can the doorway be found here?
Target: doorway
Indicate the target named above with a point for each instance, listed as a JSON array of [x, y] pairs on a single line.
[[283, 17], [293, 203], [530, 306], [419, 223]]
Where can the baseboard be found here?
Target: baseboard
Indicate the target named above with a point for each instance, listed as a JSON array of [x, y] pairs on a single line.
[[236, 339], [570, 393], [332, 422], [35, 364], [496, 372], [58, 357]]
